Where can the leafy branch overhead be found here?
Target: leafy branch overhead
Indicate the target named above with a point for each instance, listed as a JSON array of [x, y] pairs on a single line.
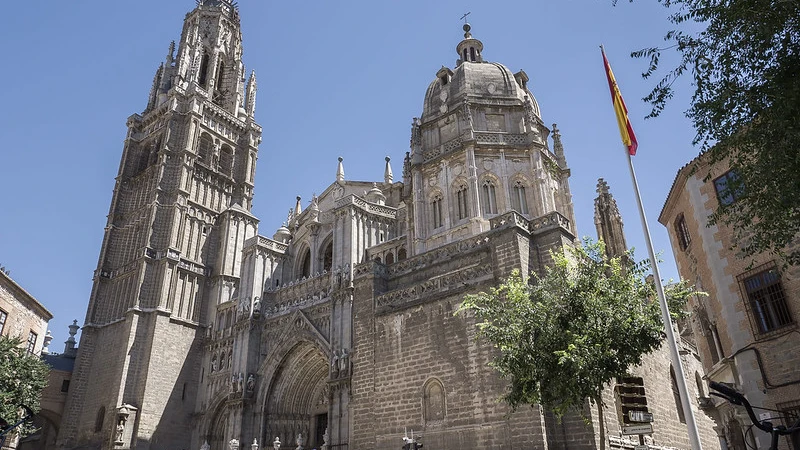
[[744, 64], [564, 335]]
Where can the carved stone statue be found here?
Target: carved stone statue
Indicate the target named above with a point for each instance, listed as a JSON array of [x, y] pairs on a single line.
[[254, 446], [120, 431], [344, 363], [251, 383], [277, 443], [233, 444], [257, 306], [240, 382], [205, 446], [233, 382], [335, 364], [299, 441], [325, 439]]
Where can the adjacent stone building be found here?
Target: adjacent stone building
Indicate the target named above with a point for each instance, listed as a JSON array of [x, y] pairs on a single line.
[[746, 327], [338, 331], [21, 315]]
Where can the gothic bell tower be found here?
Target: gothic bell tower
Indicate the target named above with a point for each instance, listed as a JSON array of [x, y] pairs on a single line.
[[179, 216]]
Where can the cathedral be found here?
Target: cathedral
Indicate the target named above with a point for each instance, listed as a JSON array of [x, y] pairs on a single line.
[[336, 331]]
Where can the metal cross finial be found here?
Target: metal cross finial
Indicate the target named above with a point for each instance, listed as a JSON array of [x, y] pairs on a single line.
[[464, 17]]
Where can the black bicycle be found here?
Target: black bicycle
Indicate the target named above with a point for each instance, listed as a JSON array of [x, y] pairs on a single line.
[[735, 398]]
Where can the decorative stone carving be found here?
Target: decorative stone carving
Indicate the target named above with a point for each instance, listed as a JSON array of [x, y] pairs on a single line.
[[233, 444], [205, 446], [251, 383]]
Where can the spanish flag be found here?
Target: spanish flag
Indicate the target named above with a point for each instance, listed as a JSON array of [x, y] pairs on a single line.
[[625, 129]]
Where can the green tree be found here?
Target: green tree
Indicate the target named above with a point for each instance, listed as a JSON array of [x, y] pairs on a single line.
[[563, 336], [743, 57], [22, 379]]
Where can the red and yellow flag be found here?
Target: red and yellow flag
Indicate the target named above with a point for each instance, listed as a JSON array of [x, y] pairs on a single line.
[[625, 129]]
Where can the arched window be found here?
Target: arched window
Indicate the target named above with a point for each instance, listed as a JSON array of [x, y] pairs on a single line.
[[401, 254], [472, 54], [462, 201], [389, 258], [436, 211], [489, 197], [204, 148], [305, 268], [203, 78], [519, 201], [99, 419], [226, 160], [327, 257], [677, 395], [435, 407]]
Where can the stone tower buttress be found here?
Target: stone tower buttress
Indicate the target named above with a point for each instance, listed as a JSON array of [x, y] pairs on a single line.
[[171, 253]]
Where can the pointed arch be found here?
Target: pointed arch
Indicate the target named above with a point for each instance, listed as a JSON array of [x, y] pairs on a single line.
[[293, 382], [460, 189], [205, 147], [202, 78], [488, 193]]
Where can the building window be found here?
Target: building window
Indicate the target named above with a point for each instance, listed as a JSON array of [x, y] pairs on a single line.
[[3, 317], [327, 258], [99, 419], [32, 342], [203, 71], [305, 270], [677, 395], [766, 299], [64, 385], [204, 148], [729, 188], [436, 212], [462, 202], [682, 232], [226, 160], [489, 198], [519, 202]]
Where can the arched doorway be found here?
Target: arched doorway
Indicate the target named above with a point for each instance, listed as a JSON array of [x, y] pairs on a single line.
[[297, 401], [216, 432]]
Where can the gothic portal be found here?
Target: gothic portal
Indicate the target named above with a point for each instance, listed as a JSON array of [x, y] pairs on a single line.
[[338, 331]]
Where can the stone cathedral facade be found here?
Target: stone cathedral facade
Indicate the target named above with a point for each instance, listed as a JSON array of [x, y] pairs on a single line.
[[337, 331]]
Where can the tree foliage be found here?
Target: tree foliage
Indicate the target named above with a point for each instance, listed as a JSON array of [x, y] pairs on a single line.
[[22, 379], [564, 335], [745, 67]]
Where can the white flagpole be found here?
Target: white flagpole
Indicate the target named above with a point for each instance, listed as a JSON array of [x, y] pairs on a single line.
[[680, 379]]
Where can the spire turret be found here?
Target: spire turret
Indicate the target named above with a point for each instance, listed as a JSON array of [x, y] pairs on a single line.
[[558, 148], [608, 221], [387, 172], [252, 87], [470, 48], [340, 170]]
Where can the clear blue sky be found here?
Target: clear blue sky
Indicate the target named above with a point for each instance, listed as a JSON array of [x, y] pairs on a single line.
[[335, 79]]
